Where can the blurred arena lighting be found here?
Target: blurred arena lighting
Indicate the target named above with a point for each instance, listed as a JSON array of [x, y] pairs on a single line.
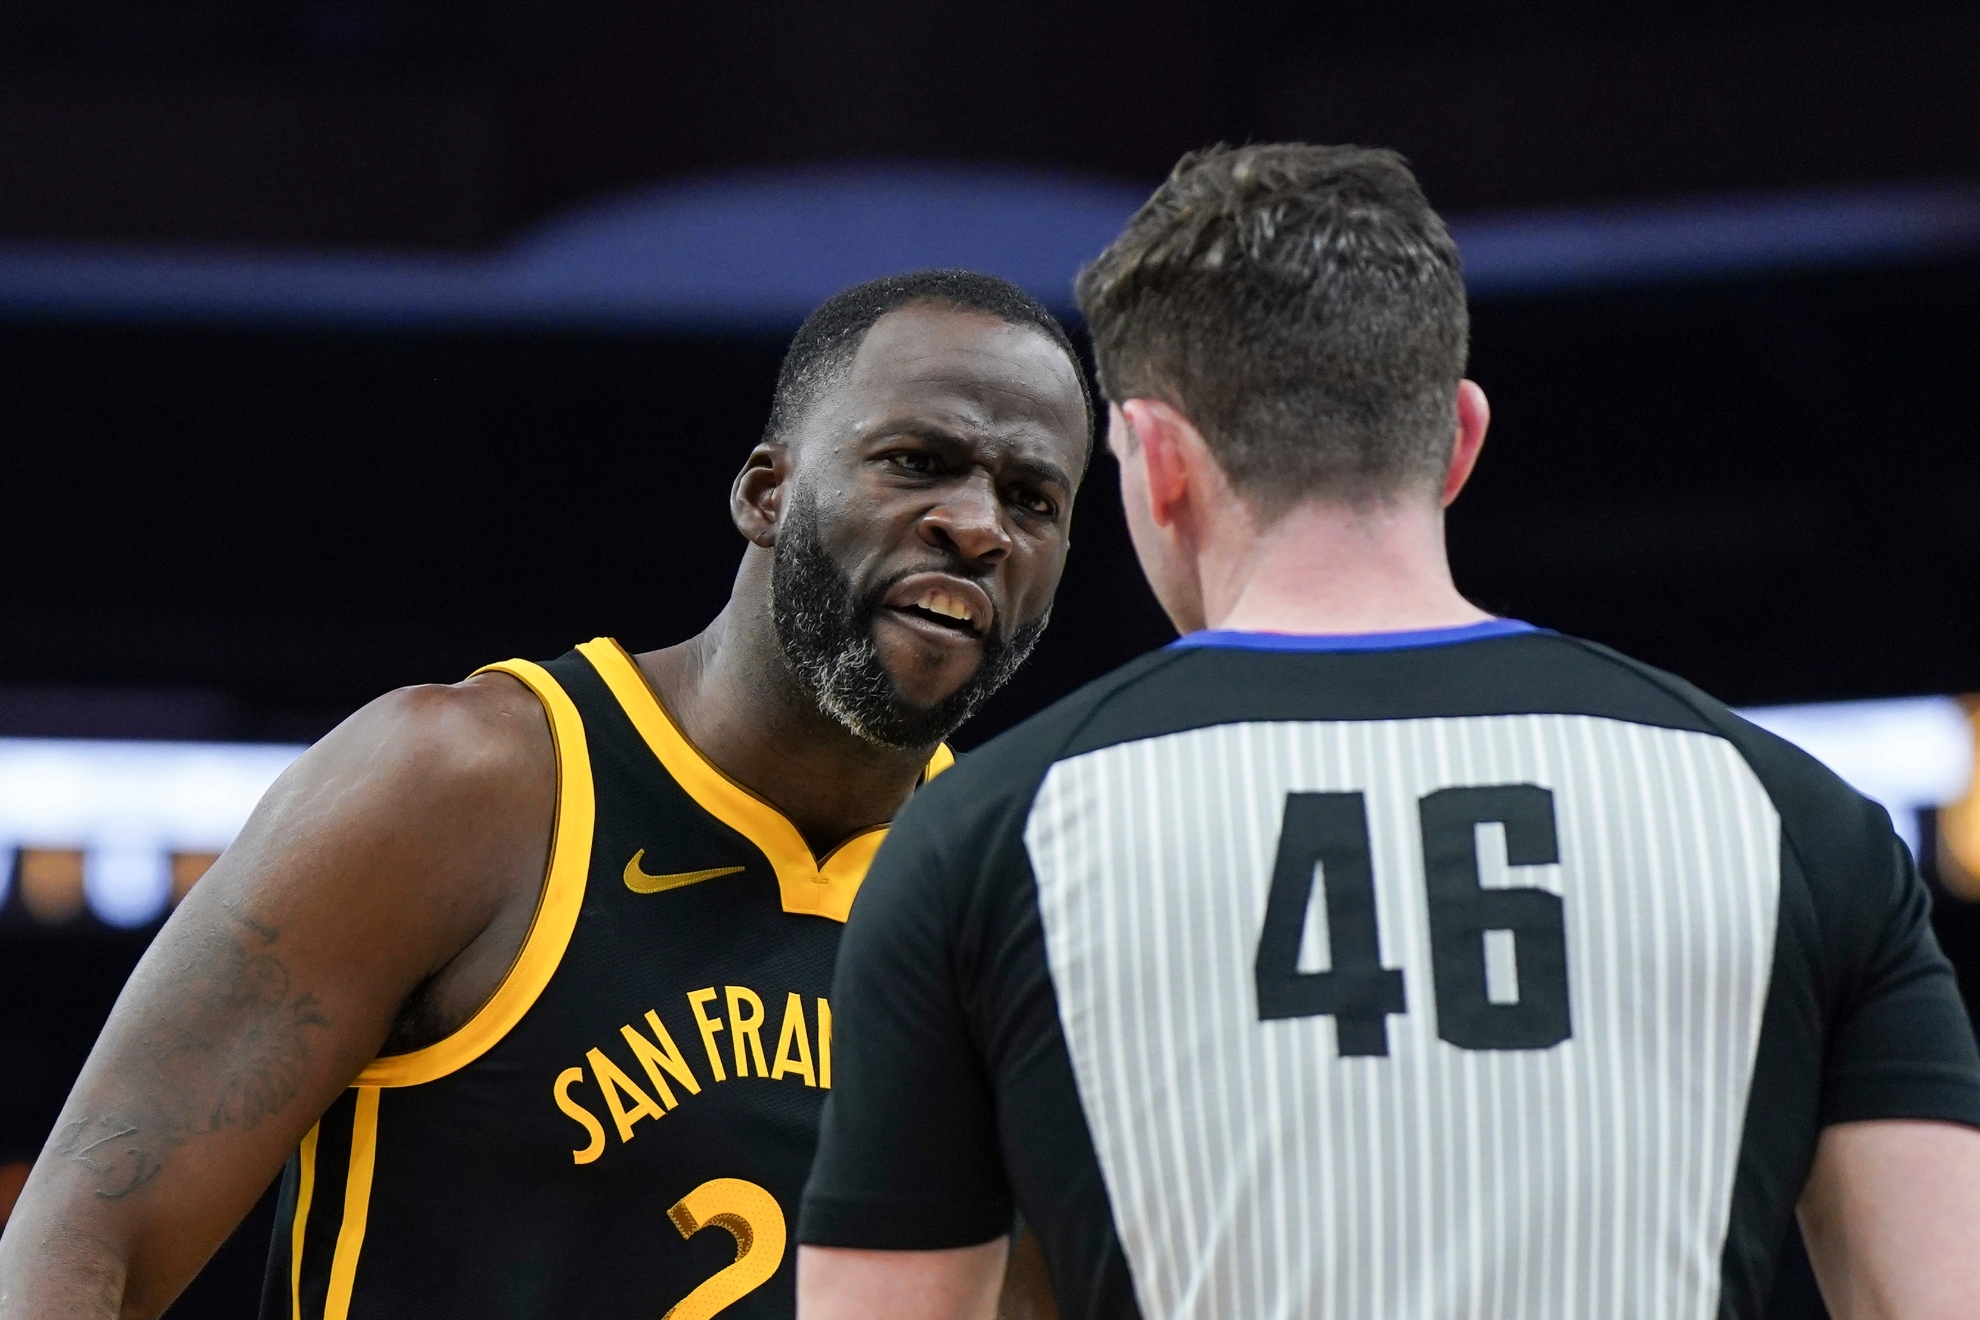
[[125, 828], [1908, 755], [127, 885], [122, 827], [754, 251], [1959, 824]]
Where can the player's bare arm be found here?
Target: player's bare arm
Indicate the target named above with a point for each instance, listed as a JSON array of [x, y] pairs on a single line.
[[1889, 1215], [372, 902]]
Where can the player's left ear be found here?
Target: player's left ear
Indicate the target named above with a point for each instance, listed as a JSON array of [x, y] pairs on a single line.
[[756, 501], [1474, 416]]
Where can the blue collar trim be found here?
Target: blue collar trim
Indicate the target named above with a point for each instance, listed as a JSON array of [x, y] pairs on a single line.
[[1232, 639]]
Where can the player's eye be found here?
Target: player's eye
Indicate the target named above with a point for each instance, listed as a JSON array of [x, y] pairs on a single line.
[[915, 461], [1034, 501]]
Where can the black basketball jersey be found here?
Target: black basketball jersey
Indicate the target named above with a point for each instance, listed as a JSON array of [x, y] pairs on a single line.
[[1470, 972], [623, 1129]]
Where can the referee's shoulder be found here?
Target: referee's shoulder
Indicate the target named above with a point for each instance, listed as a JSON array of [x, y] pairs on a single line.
[[1013, 762], [954, 857], [1822, 814]]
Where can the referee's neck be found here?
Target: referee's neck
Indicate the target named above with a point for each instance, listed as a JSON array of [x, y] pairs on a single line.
[[1329, 567]]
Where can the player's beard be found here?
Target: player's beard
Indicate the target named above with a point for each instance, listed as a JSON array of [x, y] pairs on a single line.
[[825, 630]]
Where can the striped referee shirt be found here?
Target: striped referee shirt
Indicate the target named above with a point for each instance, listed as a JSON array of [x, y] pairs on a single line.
[[1480, 972]]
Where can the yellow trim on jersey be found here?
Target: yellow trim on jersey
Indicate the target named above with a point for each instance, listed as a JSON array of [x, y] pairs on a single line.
[[556, 909], [807, 885], [357, 1205], [305, 1191]]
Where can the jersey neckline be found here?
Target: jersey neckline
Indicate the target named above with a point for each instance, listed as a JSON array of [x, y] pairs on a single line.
[[807, 884], [1241, 640]]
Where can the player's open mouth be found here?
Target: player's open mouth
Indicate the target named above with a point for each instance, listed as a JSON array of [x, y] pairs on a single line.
[[945, 610], [941, 604]]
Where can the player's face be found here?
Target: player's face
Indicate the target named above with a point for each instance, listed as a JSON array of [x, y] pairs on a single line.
[[928, 519]]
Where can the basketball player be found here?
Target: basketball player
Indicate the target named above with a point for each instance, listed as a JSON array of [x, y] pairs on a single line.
[[526, 978], [1363, 955]]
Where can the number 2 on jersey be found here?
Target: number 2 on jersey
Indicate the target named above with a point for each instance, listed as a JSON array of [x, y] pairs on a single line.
[[1327, 833], [754, 1219]]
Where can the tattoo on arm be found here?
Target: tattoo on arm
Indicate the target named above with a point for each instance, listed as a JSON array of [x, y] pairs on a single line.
[[120, 1168], [230, 1055]]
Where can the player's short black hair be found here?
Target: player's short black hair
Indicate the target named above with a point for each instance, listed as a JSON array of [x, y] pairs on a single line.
[[1303, 306], [828, 339]]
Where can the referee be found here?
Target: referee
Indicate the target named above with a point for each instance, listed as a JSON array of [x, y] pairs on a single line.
[[1361, 955]]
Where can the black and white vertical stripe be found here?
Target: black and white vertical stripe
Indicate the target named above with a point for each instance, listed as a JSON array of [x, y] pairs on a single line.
[[1254, 1173]]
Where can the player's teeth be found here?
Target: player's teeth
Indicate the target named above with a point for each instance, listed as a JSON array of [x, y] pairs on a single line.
[[940, 602]]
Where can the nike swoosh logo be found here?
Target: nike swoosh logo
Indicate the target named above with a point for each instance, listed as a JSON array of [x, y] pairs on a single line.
[[641, 883]]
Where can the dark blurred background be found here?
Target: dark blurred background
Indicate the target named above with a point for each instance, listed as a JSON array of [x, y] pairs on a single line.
[[282, 425]]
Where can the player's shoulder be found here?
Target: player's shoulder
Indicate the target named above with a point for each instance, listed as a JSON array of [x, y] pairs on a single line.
[[485, 734], [441, 793]]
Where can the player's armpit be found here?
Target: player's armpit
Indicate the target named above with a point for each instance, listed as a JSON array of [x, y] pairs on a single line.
[[957, 1283], [1891, 1215], [385, 854]]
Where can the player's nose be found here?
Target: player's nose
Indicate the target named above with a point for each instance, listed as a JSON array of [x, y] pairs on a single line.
[[970, 520]]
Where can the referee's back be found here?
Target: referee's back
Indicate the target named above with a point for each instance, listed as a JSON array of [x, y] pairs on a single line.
[[1362, 956], [1473, 972]]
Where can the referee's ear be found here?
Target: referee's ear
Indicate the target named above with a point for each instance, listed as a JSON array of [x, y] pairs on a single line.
[[756, 500], [1184, 479], [1474, 417]]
